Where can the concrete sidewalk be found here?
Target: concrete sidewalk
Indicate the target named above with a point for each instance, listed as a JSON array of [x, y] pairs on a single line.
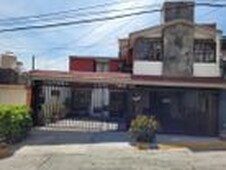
[[113, 156], [69, 150]]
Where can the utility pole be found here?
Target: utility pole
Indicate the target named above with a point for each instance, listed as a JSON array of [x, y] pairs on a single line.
[[33, 62]]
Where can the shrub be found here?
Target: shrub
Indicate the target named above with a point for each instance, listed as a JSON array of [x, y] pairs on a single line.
[[15, 122], [143, 128]]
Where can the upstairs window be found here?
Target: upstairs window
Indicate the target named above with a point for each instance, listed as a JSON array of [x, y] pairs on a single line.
[[156, 51], [148, 49], [205, 51]]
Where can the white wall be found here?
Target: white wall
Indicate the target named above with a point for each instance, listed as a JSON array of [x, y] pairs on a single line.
[[13, 95], [206, 70], [147, 68]]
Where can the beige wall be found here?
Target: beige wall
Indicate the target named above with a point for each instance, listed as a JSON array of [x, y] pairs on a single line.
[[13, 95], [8, 61]]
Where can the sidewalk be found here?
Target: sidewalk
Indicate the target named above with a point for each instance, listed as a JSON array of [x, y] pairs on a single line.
[[113, 151]]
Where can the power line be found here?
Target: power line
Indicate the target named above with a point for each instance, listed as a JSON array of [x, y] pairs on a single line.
[[68, 11], [72, 15], [205, 4], [85, 21], [62, 12]]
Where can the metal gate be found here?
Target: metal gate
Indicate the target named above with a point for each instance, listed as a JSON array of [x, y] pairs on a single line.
[[82, 107]]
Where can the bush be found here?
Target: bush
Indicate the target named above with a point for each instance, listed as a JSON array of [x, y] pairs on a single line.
[[143, 128], [15, 122]]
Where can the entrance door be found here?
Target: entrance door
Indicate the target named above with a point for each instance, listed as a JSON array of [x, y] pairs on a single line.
[[185, 111], [165, 106]]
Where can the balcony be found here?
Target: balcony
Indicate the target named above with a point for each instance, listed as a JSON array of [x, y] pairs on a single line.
[[206, 70], [152, 68]]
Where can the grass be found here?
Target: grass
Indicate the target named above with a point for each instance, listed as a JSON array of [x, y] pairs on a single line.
[[195, 146]]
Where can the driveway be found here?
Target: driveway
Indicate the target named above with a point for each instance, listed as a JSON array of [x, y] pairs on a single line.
[[71, 150]]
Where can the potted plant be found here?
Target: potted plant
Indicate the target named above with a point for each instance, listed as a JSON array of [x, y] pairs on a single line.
[[143, 129]]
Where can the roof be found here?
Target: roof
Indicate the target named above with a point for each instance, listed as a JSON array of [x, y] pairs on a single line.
[[93, 57], [207, 26], [114, 78], [83, 77]]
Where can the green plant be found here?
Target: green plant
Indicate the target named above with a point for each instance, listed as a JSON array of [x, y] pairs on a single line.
[[15, 122], [143, 128]]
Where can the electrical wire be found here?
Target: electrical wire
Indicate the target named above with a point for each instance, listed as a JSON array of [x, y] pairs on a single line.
[[97, 19], [75, 15]]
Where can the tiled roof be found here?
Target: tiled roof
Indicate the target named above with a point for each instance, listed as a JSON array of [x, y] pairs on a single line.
[[128, 79], [76, 76]]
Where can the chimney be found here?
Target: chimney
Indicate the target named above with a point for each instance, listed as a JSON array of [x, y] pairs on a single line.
[[178, 10]]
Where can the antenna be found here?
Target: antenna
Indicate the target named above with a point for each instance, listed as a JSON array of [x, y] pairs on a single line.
[[33, 62]]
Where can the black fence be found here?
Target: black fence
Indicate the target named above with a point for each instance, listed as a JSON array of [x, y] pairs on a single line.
[[63, 105]]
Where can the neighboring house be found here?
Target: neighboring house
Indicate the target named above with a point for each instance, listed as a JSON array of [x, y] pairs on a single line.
[[174, 71], [13, 84], [82, 100], [99, 95]]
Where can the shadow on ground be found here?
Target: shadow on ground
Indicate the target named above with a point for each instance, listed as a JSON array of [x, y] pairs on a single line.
[[59, 137], [54, 137]]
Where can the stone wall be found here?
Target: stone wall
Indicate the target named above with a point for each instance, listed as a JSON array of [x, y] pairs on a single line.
[[178, 50]]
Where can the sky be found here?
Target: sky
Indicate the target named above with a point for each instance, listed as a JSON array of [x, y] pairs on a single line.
[[51, 47]]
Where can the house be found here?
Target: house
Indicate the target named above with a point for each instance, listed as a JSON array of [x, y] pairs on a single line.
[[174, 71], [179, 51], [99, 96], [13, 83]]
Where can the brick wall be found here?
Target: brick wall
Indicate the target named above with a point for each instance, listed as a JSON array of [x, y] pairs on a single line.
[[78, 64]]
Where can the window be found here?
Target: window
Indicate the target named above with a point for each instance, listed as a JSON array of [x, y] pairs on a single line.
[[155, 53], [148, 49], [55, 93], [102, 66], [204, 51]]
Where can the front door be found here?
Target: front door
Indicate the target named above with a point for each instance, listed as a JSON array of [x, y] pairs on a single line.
[[164, 105]]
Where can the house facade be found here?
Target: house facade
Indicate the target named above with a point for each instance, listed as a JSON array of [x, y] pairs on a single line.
[[13, 83], [174, 71], [98, 97], [177, 50]]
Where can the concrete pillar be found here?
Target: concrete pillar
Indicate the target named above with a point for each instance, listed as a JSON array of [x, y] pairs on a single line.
[[178, 49]]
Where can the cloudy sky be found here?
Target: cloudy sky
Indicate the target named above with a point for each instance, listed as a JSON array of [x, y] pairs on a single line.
[[53, 46]]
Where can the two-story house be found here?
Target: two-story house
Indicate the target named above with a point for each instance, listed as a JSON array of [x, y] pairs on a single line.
[[174, 71]]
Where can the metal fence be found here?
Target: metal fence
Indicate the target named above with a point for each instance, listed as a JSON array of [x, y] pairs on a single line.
[[61, 105]]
